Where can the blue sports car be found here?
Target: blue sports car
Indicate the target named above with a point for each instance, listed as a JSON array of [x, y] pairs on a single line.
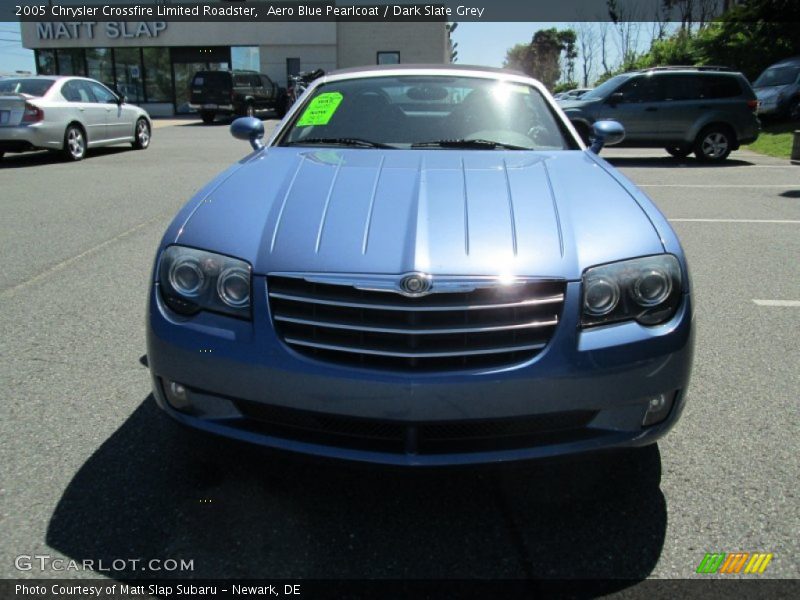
[[422, 266]]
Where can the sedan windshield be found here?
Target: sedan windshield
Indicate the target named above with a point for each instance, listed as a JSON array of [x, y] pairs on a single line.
[[428, 111], [30, 86], [777, 76]]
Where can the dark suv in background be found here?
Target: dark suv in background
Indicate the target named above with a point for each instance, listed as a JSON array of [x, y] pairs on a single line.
[[706, 110], [235, 92]]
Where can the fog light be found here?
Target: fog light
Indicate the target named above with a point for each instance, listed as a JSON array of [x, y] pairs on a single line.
[[177, 395], [658, 408]]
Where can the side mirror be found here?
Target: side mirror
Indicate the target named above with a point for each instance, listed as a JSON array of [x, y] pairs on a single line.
[[606, 133], [616, 98], [250, 129], [122, 99]]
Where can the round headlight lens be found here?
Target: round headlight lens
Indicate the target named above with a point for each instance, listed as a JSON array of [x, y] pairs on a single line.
[[233, 286], [186, 277], [601, 297], [651, 288]]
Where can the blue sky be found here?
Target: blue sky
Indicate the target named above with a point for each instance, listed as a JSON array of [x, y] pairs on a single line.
[[13, 56], [478, 43], [486, 43]]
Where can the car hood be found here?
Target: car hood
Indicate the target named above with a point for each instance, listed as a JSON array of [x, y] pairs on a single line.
[[567, 104], [435, 211], [763, 93]]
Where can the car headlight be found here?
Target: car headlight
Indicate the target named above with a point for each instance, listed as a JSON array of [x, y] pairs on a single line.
[[193, 280], [647, 290]]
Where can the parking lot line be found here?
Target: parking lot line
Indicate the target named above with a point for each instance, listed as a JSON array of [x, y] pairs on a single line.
[[792, 303], [768, 221], [77, 257]]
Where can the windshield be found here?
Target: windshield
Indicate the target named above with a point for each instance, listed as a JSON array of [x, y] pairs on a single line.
[[432, 111], [30, 86], [604, 89], [777, 76], [215, 79]]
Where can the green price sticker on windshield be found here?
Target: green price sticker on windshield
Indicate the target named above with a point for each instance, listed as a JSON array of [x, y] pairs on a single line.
[[321, 109]]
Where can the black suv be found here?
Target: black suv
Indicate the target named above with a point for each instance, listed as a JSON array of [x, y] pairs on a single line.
[[235, 92], [706, 110]]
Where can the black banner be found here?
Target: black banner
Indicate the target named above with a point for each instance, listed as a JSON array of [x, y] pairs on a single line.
[[655, 589], [368, 10]]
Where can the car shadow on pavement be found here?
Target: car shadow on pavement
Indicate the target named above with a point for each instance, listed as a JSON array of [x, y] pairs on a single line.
[[154, 490], [46, 157], [669, 162]]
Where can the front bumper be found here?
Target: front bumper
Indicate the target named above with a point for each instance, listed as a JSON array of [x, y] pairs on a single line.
[[586, 391], [22, 138]]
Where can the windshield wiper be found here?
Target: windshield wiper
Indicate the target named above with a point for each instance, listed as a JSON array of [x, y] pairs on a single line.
[[476, 143], [339, 142]]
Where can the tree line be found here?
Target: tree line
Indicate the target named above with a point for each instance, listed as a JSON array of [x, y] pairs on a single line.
[[748, 36]]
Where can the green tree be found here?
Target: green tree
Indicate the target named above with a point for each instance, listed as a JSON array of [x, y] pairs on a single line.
[[542, 57], [748, 38]]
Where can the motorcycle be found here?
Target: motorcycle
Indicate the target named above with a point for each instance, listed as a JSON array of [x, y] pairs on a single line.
[[300, 82]]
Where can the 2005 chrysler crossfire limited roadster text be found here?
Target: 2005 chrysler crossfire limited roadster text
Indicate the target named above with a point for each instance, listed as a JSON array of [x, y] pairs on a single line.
[[422, 266]]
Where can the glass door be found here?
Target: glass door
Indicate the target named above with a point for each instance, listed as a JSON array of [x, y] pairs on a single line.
[[184, 72], [188, 60]]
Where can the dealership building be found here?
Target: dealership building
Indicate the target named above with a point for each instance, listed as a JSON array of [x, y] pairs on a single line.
[[152, 62]]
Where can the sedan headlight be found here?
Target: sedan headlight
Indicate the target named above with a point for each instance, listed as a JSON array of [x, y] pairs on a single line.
[[193, 280], [647, 290]]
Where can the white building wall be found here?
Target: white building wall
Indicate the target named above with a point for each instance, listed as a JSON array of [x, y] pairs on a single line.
[[273, 59], [421, 43]]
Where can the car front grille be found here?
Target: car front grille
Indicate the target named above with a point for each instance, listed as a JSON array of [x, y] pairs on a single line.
[[490, 325]]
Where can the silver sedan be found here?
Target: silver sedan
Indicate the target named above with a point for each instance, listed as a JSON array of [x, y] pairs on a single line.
[[67, 114]]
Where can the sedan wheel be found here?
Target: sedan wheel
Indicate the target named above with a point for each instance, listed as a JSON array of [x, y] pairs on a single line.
[[142, 135], [713, 144], [74, 143]]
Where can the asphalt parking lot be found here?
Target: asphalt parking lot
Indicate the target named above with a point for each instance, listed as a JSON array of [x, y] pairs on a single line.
[[90, 469]]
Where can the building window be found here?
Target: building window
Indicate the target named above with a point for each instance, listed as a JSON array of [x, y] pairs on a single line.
[[388, 58], [129, 74], [292, 68], [247, 58], [71, 62], [100, 65], [157, 74], [46, 62]]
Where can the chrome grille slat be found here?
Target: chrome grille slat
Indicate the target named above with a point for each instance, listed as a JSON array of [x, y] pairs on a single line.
[[335, 319], [557, 299], [375, 352], [411, 331]]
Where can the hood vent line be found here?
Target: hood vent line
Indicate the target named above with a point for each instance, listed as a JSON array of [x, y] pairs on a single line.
[[327, 204], [466, 209], [555, 207], [283, 202], [368, 224], [511, 208]]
